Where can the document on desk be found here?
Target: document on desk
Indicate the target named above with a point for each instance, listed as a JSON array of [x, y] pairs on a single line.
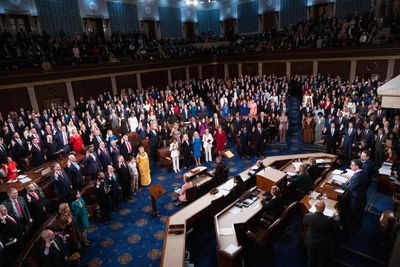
[[235, 210], [291, 173], [327, 212], [231, 249], [226, 231], [25, 180], [228, 185], [340, 178], [320, 161], [337, 172], [385, 170], [296, 165], [340, 191]]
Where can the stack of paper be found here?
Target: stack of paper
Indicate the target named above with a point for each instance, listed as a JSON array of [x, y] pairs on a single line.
[[291, 173], [226, 231], [25, 180], [386, 168], [327, 212], [235, 210], [228, 185], [339, 178], [320, 161]]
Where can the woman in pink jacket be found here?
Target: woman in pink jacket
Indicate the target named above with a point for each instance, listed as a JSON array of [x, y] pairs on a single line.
[[182, 193]]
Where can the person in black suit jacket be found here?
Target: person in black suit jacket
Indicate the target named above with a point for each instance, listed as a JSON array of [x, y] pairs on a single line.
[[51, 147], [252, 173], [319, 238], [368, 165], [104, 155], [91, 162], [112, 182], [102, 195], [61, 183], [3, 150], [333, 138], [126, 148], [239, 188], [368, 135], [275, 206], [349, 141], [220, 170], [314, 170], [124, 178], [114, 152], [186, 152], [259, 136], [12, 234], [36, 205], [244, 139], [17, 208], [54, 251], [74, 173], [63, 140], [356, 187], [152, 134], [38, 156], [19, 147]]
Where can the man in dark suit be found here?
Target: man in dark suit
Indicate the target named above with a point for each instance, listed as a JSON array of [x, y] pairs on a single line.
[[36, 205], [185, 114], [244, 139], [220, 171], [54, 251], [124, 178], [74, 173], [112, 182], [104, 156], [61, 183], [17, 208], [126, 148], [236, 124], [367, 165], [340, 120], [319, 239], [92, 164], [114, 151], [273, 207], [152, 134], [333, 138], [368, 135], [19, 147], [314, 170], [259, 136], [63, 140], [349, 141], [380, 113], [96, 139], [356, 187], [102, 194], [51, 147], [38, 156], [380, 143], [3, 150]]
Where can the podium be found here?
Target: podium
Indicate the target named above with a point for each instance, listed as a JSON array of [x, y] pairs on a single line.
[[156, 191]]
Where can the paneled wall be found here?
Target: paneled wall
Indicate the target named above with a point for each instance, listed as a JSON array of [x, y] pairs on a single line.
[[91, 88], [215, 70], [303, 68], [58, 14], [248, 21], [158, 79], [366, 68], [349, 7], [250, 68], [335, 68], [13, 99], [126, 81], [46, 94], [293, 11], [170, 22], [277, 68], [396, 70], [178, 74], [123, 16]]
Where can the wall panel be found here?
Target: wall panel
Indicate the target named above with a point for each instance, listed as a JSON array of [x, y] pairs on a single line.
[[248, 17], [127, 81], [305, 68], [178, 74], [277, 68], [366, 68], [91, 88], [214, 70], [45, 94], [158, 79], [13, 99], [345, 8], [293, 11], [193, 72], [123, 16], [396, 70], [250, 69], [335, 68], [233, 70], [170, 22]]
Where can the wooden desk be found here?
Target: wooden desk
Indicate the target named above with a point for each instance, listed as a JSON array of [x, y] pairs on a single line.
[[38, 175], [174, 245], [269, 177], [387, 186], [199, 176]]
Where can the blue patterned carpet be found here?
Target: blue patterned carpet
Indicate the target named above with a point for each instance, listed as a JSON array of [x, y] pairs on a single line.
[[135, 237]]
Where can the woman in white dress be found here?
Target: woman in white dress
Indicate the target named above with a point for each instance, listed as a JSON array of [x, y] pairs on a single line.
[[174, 148], [133, 122], [207, 144]]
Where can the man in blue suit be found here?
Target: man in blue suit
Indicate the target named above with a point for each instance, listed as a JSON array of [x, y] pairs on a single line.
[[74, 173], [368, 165], [357, 189], [61, 183], [349, 141], [104, 155]]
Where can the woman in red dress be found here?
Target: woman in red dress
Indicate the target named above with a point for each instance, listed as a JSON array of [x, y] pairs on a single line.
[[10, 168], [220, 140], [76, 142]]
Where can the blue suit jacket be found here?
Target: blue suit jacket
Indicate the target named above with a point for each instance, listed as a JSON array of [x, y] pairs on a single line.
[[357, 187], [61, 185], [368, 168], [349, 140], [76, 177]]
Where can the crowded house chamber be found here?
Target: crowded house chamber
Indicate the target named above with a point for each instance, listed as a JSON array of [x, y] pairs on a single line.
[[199, 133]]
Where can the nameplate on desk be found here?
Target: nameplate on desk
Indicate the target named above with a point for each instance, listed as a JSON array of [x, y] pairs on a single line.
[[25, 180], [45, 171]]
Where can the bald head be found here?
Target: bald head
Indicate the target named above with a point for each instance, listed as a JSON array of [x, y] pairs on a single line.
[[320, 206]]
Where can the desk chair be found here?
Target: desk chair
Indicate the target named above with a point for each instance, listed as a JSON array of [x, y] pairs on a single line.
[[261, 236], [191, 194]]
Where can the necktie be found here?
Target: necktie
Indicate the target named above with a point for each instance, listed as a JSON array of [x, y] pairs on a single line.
[[129, 147], [65, 138], [35, 195], [332, 131], [349, 131], [11, 219], [21, 215], [38, 148]]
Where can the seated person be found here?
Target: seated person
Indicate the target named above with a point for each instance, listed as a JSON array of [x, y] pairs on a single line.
[[274, 206], [314, 170], [182, 193], [302, 182], [239, 188], [259, 166]]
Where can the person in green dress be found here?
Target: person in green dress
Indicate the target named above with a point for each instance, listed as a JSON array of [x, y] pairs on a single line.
[[81, 217]]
